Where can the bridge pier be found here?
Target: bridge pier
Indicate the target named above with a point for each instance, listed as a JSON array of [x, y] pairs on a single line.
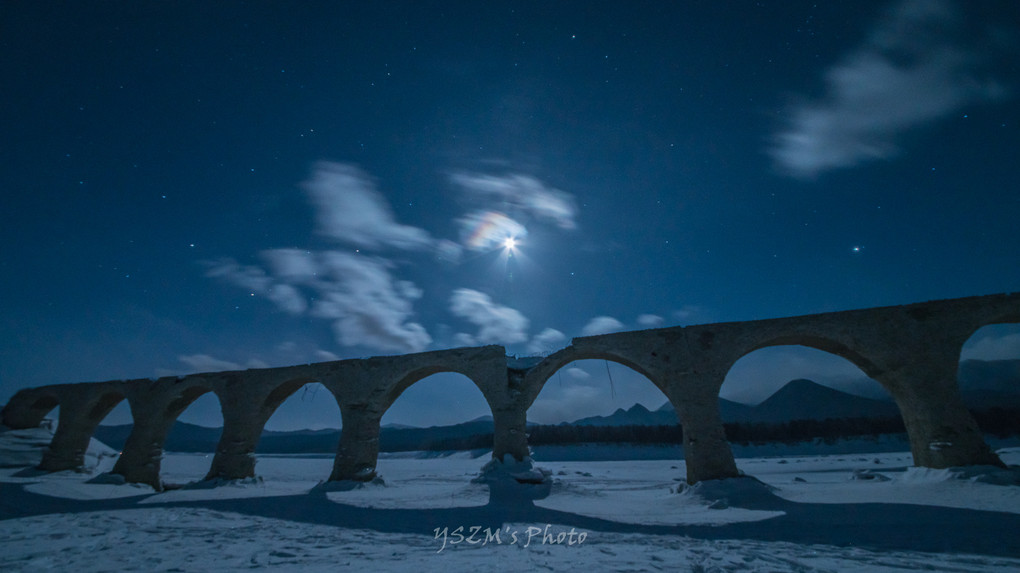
[[707, 452], [510, 432], [358, 452], [942, 432], [140, 460], [235, 452], [155, 407], [79, 417]]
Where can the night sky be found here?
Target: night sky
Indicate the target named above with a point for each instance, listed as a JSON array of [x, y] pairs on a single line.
[[197, 186]]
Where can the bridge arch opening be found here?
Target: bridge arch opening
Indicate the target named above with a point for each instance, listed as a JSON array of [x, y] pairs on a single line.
[[804, 397], [601, 401], [305, 419], [989, 379], [47, 408], [434, 400], [437, 414], [196, 427]]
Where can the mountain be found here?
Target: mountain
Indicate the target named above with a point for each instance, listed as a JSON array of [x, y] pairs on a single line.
[[664, 415], [806, 400], [798, 399], [997, 375], [637, 415]]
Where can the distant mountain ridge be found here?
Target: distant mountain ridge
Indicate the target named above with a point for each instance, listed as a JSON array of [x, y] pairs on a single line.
[[797, 400]]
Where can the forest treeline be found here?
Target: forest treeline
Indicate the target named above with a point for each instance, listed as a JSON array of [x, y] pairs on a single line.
[[998, 422]]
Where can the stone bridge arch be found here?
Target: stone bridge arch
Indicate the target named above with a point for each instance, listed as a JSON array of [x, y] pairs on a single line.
[[540, 374], [912, 350], [81, 412], [28, 407], [248, 399], [997, 317], [366, 388], [662, 356], [155, 406]]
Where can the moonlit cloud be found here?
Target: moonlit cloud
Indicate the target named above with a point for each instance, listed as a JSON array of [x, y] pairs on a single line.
[[325, 356], [691, 314], [464, 339], [484, 230], [367, 305], [206, 363], [601, 325], [350, 209], [570, 403], [548, 340], [288, 298], [255, 280], [577, 374], [247, 277], [650, 320], [909, 72], [358, 294], [993, 348], [522, 194], [497, 324]]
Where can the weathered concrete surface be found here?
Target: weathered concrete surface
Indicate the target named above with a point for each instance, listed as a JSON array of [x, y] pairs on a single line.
[[912, 350]]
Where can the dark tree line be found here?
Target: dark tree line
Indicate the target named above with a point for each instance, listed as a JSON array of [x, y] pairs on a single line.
[[999, 422]]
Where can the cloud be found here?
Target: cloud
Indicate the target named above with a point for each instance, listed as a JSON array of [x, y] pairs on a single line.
[[577, 374], [325, 356], [206, 363], [601, 325], [366, 304], [546, 341], [569, 404], [287, 298], [349, 209], [907, 73], [993, 348], [247, 277], [464, 339], [484, 230], [650, 320], [690, 313], [496, 323], [368, 307], [522, 194], [255, 280]]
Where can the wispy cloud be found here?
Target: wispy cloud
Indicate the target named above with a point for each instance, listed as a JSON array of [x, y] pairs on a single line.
[[358, 294], [601, 325], [909, 72], [255, 279], [350, 209], [522, 194], [691, 314], [207, 363], [650, 320], [548, 340], [496, 323], [993, 348], [577, 374]]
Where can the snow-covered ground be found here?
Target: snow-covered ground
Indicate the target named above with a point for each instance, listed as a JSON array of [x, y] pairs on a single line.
[[856, 512]]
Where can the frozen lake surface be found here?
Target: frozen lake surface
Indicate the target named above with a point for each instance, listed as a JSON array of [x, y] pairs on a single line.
[[848, 512]]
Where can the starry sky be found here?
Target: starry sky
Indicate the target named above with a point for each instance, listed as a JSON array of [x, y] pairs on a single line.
[[200, 186]]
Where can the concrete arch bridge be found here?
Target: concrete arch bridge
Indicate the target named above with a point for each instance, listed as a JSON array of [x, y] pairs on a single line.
[[911, 350]]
